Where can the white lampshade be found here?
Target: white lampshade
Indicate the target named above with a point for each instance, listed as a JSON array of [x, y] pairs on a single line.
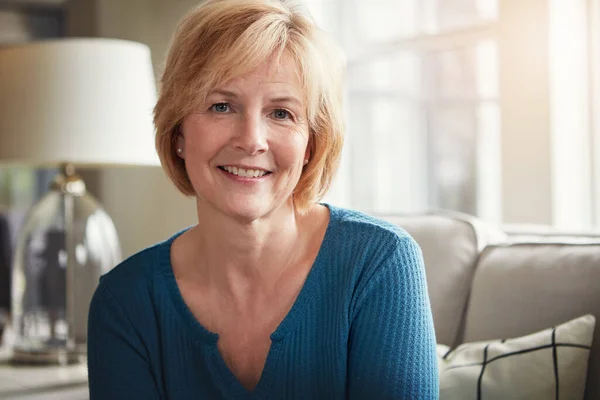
[[86, 102]]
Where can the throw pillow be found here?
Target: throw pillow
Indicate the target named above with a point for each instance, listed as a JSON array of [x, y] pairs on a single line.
[[550, 364]]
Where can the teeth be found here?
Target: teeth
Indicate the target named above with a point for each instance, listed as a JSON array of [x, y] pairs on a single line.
[[246, 173]]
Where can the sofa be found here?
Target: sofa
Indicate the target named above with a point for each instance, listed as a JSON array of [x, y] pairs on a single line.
[[486, 283]]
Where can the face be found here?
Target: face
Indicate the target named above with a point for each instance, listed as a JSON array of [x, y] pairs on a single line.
[[245, 147]]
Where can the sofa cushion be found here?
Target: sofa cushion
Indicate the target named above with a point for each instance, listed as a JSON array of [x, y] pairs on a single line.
[[544, 365], [520, 288], [450, 244]]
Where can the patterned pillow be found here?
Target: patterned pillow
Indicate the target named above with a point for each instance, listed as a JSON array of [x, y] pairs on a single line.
[[550, 364]]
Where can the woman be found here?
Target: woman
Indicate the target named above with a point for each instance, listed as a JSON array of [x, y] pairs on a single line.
[[271, 295]]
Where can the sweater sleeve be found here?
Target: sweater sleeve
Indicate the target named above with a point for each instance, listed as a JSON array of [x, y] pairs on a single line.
[[392, 341], [117, 364]]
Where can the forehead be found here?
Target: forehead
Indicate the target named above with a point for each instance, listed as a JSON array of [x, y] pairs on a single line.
[[280, 71]]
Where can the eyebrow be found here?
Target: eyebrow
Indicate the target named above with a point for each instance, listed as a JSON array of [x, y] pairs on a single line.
[[286, 99], [225, 93], [279, 99]]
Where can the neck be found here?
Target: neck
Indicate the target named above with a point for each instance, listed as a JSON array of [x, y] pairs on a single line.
[[246, 254]]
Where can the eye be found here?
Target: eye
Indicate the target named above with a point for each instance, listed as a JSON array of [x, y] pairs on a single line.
[[282, 114], [220, 107]]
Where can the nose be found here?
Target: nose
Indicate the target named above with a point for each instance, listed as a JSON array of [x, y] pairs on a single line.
[[251, 135]]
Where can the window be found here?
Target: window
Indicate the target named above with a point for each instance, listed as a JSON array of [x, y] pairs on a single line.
[[479, 106], [423, 113]]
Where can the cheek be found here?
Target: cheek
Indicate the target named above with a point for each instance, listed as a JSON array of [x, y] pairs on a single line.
[[291, 155], [293, 147], [203, 142]]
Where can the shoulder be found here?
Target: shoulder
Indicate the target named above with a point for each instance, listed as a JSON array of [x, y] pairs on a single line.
[[132, 295], [368, 249], [135, 270], [368, 231], [135, 276]]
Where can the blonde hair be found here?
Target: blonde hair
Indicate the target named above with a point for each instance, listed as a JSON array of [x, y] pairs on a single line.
[[223, 39]]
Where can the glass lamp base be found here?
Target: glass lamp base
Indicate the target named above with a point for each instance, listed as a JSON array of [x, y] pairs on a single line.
[[66, 244]]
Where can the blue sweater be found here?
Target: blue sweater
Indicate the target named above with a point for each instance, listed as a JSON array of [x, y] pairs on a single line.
[[361, 327]]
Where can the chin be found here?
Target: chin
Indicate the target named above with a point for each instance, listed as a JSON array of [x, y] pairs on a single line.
[[247, 210], [244, 207]]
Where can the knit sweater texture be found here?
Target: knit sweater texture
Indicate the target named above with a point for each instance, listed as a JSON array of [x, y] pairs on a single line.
[[360, 328]]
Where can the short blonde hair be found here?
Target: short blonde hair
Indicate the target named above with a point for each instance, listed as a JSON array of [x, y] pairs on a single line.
[[223, 39]]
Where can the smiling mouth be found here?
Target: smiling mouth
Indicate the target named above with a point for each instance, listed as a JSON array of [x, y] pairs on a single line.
[[245, 173]]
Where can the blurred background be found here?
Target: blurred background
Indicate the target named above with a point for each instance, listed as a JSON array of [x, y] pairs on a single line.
[[488, 107]]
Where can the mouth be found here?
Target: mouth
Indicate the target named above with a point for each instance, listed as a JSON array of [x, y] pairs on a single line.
[[244, 172]]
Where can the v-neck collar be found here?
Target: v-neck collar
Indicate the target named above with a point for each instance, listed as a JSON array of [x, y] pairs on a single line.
[[207, 339]]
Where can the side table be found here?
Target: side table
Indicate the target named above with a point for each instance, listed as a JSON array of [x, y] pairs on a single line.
[[41, 382]]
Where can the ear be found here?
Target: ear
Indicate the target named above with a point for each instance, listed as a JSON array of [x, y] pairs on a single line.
[[180, 146]]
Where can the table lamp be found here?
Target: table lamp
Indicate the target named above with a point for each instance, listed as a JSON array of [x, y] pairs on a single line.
[[69, 103]]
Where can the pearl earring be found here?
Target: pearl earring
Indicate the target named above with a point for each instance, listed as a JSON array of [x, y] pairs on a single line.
[[305, 161], [179, 150]]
